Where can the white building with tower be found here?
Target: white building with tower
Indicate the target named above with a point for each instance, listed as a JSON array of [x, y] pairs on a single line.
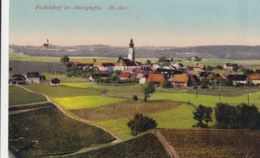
[[127, 64], [131, 51]]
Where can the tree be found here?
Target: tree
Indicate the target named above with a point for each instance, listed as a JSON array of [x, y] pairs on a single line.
[[135, 98], [148, 88], [148, 62], [202, 115], [94, 60], [241, 116], [141, 123], [64, 59], [224, 114]]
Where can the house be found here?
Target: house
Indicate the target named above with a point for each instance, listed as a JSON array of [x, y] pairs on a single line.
[[254, 78], [220, 79], [55, 82], [125, 64], [78, 65], [232, 66], [178, 65], [155, 67], [104, 66], [99, 75], [33, 77], [142, 80], [124, 75], [156, 78], [181, 80], [237, 79], [195, 58], [199, 67], [17, 79]]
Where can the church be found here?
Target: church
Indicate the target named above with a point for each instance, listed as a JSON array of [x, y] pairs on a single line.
[[127, 64]]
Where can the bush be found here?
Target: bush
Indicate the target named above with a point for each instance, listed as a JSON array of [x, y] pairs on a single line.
[[141, 123], [135, 98]]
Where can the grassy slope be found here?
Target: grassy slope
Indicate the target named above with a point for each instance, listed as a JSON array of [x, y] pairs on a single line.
[[214, 143], [18, 95], [54, 132], [146, 146], [116, 120], [74, 98]]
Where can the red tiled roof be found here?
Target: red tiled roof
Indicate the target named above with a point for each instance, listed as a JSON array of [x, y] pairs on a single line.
[[254, 76], [180, 78], [125, 74], [156, 78]]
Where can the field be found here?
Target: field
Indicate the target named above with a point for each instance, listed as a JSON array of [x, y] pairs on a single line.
[[214, 143], [18, 95], [112, 106], [47, 131], [141, 147]]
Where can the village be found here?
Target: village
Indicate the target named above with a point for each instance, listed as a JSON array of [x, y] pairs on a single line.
[[166, 72]]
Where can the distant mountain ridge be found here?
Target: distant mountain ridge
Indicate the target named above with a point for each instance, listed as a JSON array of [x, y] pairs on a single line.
[[210, 51]]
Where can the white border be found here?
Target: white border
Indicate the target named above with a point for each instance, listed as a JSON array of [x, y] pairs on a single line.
[[4, 77]]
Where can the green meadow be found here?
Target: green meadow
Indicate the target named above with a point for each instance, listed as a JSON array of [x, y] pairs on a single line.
[[84, 102], [18, 95], [112, 106]]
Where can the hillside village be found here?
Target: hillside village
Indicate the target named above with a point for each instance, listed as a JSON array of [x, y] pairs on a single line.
[[129, 105], [167, 72]]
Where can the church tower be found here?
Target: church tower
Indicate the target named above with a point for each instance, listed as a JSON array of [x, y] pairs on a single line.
[[131, 51]]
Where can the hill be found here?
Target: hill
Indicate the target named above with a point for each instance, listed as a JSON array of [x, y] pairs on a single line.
[[47, 131], [214, 143], [209, 52], [146, 146]]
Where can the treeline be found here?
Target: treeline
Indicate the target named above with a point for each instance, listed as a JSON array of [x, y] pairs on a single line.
[[241, 116]]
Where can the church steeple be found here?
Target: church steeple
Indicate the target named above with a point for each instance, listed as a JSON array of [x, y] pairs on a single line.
[[131, 51], [131, 45]]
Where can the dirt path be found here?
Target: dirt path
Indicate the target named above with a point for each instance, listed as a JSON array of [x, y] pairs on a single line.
[[75, 117], [83, 150], [27, 104], [26, 110], [168, 147]]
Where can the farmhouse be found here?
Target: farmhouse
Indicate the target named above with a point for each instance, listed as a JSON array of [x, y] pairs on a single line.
[[125, 64], [237, 79], [156, 78], [99, 75], [195, 58], [55, 82], [124, 75], [178, 65], [199, 67], [33, 77], [17, 79], [181, 80], [78, 65], [232, 66], [104, 66], [254, 78]]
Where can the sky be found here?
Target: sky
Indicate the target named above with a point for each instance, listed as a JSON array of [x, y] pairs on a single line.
[[148, 22]]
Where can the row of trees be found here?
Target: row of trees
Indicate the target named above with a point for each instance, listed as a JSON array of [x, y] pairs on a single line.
[[241, 116]]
